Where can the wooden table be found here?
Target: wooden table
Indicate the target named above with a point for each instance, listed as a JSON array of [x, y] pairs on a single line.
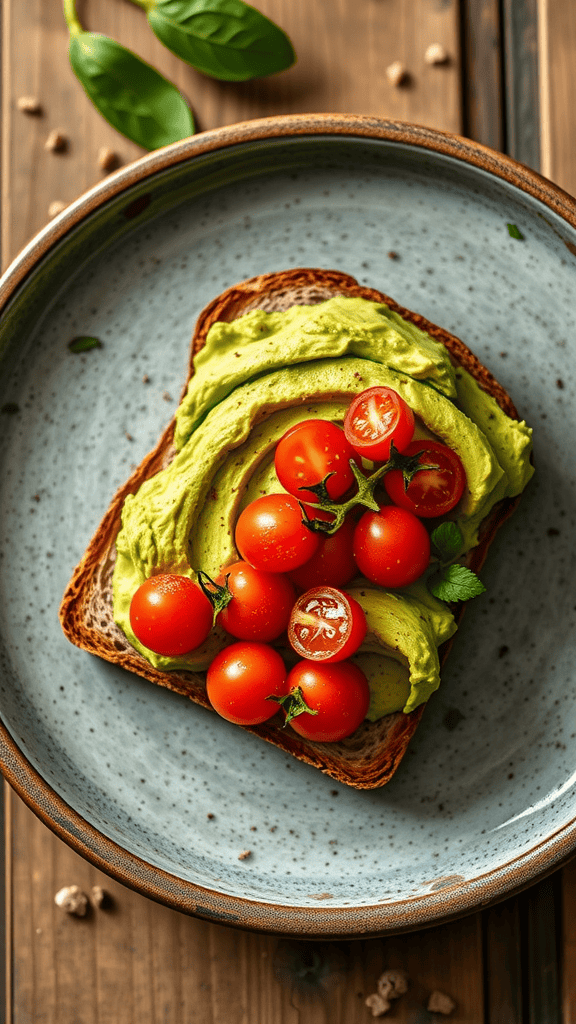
[[509, 83]]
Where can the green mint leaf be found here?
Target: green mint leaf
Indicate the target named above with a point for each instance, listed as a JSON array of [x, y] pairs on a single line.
[[132, 96], [448, 540], [455, 583], [226, 39], [83, 344], [515, 232]]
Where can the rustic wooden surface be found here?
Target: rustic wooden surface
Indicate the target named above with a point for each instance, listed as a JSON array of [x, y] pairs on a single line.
[[137, 961]]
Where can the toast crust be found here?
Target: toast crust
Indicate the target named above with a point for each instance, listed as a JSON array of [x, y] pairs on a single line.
[[368, 758]]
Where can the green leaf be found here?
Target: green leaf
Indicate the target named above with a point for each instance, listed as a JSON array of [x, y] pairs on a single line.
[[455, 583], [225, 39], [84, 343], [515, 232], [131, 95], [448, 540]]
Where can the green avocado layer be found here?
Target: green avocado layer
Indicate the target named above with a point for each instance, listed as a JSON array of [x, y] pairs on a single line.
[[254, 379]]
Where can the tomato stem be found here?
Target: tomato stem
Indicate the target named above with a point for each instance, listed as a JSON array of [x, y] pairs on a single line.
[[409, 466], [293, 704], [218, 595]]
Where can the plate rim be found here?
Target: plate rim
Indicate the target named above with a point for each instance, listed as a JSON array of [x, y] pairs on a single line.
[[431, 908]]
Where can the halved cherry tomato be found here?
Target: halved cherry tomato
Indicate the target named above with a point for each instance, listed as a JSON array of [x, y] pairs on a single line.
[[326, 625], [170, 615], [240, 679], [333, 563], [431, 492], [308, 452], [261, 602], [270, 534], [391, 547], [377, 417], [338, 693]]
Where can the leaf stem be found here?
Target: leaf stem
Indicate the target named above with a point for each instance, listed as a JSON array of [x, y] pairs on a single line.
[[72, 18]]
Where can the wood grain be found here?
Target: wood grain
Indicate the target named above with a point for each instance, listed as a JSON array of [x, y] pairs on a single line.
[[556, 48], [482, 84]]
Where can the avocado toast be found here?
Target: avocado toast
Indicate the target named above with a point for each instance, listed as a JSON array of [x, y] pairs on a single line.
[[369, 757]]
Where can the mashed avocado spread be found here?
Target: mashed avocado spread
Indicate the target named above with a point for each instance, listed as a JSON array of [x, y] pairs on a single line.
[[260, 375]]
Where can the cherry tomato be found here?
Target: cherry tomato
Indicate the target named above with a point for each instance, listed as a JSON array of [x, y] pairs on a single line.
[[170, 615], [339, 693], [333, 563], [270, 534], [240, 679], [431, 492], [261, 602], [326, 625], [377, 417], [308, 452], [391, 547]]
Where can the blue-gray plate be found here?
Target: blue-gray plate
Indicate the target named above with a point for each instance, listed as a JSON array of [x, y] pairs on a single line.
[[157, 791]]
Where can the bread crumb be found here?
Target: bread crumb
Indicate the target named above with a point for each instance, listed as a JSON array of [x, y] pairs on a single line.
[[393, 255], [57, 142], [72, 900], [145, 379], [378, 1005], [245, 854], [29, 105], [101, 898], [167, 396], [128, 436], [392, 984], [439, 1002], [209, 815], [397, 73], [56, 207], [108, 160], [436, 54]]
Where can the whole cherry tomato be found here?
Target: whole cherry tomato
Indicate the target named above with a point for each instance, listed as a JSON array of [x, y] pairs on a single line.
[[431, 492], [326, 625], [377, 417], [391, 547], [333, 563], [270, 534], [261, 602], [241, 678], [310, 451], [170, 615], [339, 694]]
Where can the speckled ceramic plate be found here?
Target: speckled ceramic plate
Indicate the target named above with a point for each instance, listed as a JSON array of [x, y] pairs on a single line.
[[157, 791]]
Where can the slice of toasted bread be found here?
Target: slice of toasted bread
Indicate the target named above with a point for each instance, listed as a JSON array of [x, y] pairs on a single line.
[[369, 757]]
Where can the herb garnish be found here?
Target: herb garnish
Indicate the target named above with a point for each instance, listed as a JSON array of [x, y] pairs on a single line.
[[84, 344], [133, 97], [515, 232], [452, 581], [226, 39]]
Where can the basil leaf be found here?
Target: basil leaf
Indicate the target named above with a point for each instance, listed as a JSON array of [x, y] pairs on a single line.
[[133, 97], [84, 343], [455, 583], [448, 540], [225, 39], [515, 232]]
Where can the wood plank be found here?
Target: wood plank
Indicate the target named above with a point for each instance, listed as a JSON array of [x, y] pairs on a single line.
[[556, 49], [542, 967], [568, 937], [522, 106], [482, 84], [503, 963]]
